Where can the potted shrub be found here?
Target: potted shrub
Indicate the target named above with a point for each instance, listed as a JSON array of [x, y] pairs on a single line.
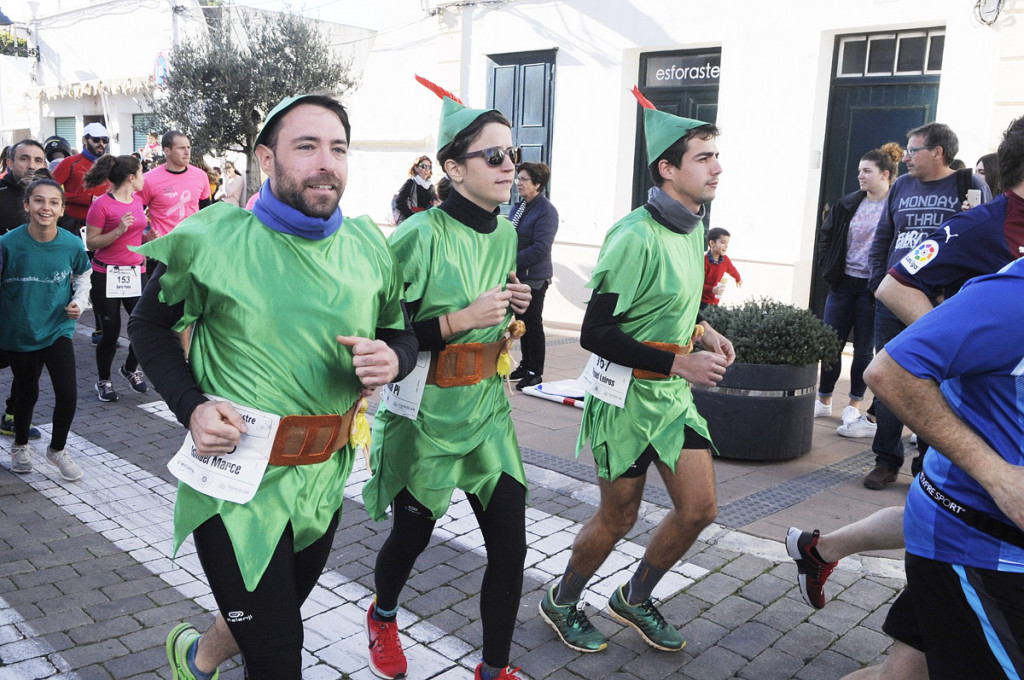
[[763, 409]]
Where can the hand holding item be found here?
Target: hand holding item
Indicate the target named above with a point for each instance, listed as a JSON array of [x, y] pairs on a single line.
[[216, 428]]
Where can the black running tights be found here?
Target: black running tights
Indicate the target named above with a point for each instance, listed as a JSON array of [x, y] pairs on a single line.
[[503, 525]]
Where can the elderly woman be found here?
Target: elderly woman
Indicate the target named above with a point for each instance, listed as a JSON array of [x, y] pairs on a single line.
[[536, 222], [417, 194]]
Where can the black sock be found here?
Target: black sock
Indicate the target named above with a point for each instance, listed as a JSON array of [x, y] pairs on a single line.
[[642, 584]]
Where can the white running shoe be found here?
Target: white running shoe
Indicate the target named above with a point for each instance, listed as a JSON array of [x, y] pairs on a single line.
[[850, 414], [69, 469], [21, 458], [822, 410], [861, 427]]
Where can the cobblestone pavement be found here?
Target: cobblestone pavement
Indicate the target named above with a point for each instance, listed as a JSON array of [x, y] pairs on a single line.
[[88, 590]]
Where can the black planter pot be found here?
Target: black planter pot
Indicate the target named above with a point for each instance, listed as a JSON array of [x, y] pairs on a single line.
[[760, 412]]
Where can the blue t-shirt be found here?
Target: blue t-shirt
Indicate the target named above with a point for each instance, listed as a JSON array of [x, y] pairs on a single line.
[[913, 210], [35, 287], [973, 345], [969, 244]]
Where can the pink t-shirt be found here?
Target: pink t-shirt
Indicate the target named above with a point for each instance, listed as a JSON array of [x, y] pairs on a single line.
[[172, 197], [105, 213]]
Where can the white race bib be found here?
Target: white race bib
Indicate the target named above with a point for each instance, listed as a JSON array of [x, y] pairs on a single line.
[[232, 476], [607, 381], [123, 281], [403, 397]]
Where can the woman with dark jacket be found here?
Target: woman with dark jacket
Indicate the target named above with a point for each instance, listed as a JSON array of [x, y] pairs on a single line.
[[536, 222], [417, 194], [843, 246]]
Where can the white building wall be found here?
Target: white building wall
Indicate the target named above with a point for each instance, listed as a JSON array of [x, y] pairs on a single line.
[[773, 103]]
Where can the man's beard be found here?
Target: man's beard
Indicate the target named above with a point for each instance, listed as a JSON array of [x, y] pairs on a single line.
[[291, 194]]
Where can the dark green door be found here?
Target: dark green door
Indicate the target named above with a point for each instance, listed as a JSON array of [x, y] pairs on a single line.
[[522, 86], [681, 83], [883, 84]]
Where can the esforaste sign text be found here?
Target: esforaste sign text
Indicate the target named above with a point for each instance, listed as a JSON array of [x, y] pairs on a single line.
[[682, 70]]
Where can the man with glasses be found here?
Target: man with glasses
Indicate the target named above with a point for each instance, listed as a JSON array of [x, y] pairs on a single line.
[[918, 203], [645, 320], [71, 174]]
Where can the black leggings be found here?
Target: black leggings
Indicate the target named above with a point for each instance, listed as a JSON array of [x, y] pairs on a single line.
[[503, 525], [266, 623], [108, 310], [59, 359]]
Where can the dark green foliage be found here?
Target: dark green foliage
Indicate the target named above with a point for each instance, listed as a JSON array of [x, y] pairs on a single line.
[[765, 331], [220, 86]]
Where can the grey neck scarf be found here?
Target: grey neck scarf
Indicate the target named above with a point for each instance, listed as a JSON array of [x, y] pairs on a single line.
[[675, 213]]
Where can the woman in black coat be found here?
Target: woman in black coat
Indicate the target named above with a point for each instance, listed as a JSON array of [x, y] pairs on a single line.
[[536, 222], [417, 193]]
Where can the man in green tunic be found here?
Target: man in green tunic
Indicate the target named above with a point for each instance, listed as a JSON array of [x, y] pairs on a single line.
[[297, 314], [647, 287]]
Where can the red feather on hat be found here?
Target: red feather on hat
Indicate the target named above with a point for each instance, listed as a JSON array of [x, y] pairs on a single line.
[[644, 101], [437, 89]]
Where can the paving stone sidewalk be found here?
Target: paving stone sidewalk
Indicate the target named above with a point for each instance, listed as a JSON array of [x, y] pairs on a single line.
[[87, 589]]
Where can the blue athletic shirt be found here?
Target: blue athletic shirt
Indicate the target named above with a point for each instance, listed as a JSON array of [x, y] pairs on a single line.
[[980, 241], [973, 345]]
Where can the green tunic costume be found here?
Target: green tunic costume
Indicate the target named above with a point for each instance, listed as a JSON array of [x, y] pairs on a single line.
[[658, 275], [265, 337], [463, 437]]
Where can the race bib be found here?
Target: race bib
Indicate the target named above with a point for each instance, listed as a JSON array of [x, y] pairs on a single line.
[[124, 282], [403, 397], [232, 476], [607, 381]]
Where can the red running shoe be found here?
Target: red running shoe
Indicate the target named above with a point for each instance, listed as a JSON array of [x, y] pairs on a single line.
[[387, 660], [811, 571], [506, 673]]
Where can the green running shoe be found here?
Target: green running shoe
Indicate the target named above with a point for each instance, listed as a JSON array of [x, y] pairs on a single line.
[[571, 624], [647, 621], [178, 642]]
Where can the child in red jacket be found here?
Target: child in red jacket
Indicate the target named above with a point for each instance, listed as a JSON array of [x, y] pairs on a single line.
[[716, 265]]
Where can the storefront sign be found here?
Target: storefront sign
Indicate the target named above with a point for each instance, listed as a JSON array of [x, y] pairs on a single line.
[[682, 70]]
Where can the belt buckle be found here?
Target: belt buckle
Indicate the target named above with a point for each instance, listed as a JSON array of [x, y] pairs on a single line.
[[305, 440], [452, 369]]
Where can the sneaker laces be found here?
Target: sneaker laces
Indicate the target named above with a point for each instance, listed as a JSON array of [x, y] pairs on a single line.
[[387, 640], [651, 611], [577, 619], [134, 376]]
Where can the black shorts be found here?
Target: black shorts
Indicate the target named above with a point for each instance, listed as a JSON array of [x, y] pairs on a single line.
[[639, 467], [969, 622]]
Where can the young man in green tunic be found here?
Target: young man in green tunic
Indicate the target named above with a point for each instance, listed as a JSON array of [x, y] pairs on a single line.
[[297, 313], [647, 287]]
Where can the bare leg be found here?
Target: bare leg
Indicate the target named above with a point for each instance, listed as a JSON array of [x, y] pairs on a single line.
[[216, 646], [903, 663], [882, 530], [692, 490], [615, 516]]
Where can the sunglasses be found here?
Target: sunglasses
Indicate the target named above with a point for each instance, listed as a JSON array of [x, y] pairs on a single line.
[[496, 155], [104, 140], [425, 166]]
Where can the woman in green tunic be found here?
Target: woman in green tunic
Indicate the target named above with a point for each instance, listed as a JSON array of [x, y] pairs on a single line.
[[457, 260]]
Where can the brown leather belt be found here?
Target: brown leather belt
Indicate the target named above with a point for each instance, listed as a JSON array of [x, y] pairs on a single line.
[[643, 374], [305, 440], [465, 363]]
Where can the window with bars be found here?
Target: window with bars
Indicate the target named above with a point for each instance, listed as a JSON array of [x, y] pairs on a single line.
[[902, 53]]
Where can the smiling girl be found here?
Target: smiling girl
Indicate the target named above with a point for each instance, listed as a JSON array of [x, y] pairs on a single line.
[[44, 286]]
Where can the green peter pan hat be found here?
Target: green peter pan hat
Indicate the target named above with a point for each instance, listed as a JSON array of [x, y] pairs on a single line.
[[455, 117], [283, 107], [662, 130]]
